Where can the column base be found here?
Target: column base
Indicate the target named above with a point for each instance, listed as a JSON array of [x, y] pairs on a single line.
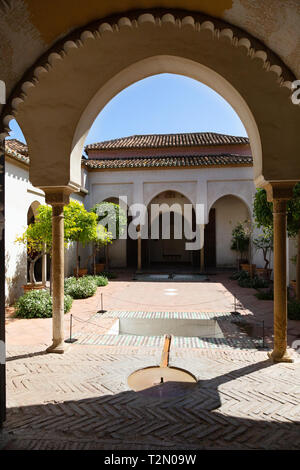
[[57, 348], [275, 357]]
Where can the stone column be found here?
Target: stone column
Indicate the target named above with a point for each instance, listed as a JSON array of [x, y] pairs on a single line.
[[57, 198], [279, 195]]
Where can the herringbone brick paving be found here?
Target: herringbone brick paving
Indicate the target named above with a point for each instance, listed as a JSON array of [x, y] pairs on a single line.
[[81, 400]]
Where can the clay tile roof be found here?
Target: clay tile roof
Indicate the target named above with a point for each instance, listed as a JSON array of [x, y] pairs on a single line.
[[16, 149], [170, 161], [167, 140], [17, 146]]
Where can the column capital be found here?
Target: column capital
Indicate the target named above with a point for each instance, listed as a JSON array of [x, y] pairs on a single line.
[[57, 195], [279, 190]]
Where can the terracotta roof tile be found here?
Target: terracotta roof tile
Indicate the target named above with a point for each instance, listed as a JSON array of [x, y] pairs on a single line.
[[17, 146], [173, 161], [16, 149], [168, 140]]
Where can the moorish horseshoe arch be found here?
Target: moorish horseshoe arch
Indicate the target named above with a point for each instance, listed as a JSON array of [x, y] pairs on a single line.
[[233, 194], [58, 103]]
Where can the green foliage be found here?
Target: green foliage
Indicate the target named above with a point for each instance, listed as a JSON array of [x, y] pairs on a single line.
[[264, 242], [241, 238], [240, 275], [109, 274], [38, 304], [263, 210], [100, 280], [112, 217], [265, 295], [256, 282], [82, 225], [294, 310], [80, 288]]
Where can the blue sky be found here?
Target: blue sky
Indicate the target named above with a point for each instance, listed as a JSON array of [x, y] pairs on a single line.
[[161, 104]]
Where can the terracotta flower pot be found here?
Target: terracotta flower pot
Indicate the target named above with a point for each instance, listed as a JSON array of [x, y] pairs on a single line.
[[81, 272], [249, 268], [100, 267], [29, 286], [264, 273]]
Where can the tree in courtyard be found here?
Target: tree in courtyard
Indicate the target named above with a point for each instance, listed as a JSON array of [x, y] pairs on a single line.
[[113, 218], [37, 238], [83, 228], [80, 226], [263, 213]]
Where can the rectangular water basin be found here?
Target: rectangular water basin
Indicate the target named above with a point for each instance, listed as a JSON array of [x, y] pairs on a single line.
[[161, 326]]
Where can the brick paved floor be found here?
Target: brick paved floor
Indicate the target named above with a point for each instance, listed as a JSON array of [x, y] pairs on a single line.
[[81, 399]]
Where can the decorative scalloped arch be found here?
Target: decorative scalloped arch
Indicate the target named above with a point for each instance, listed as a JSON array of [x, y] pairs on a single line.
[[108, 36]]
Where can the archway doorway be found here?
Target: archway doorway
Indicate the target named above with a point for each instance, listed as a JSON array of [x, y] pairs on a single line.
[[38, 268], [171, 227], [225, 213]]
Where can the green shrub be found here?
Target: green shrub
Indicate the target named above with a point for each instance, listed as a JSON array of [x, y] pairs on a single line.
[[109, 274], [38, 304], [99, 279], [265, 295], [240, 275], [81, 288], [255, 283], [294, 310]]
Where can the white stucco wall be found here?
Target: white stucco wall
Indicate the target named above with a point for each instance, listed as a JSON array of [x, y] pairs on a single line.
[[211, 187], [229, 211], [20, 194]]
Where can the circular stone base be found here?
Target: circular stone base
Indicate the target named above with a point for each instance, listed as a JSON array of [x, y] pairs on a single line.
[[162, 382]]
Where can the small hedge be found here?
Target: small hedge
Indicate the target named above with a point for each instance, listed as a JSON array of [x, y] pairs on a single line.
[[80, 288], [109, 274], [38, 304], [265, 295], [294, 310], [99, 279], [244, 280]]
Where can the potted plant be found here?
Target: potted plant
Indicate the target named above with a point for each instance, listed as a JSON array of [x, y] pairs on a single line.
[[264, 242], [113, 219], [102, 238], [241, 237]]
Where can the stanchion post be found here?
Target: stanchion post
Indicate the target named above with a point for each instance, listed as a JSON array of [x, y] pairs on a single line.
[[71, 340], [102, 308], [234, 305]]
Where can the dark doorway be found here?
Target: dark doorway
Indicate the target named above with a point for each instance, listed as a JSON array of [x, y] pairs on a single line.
[[132, 249], [210, 241]]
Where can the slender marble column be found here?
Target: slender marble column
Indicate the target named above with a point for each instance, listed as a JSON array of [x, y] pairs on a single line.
[[58, 198]]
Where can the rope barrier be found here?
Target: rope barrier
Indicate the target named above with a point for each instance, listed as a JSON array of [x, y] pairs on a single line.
[[157, 305]]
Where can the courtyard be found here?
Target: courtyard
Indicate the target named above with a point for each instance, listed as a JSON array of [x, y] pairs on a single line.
[[81, 399], [149, 225]]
